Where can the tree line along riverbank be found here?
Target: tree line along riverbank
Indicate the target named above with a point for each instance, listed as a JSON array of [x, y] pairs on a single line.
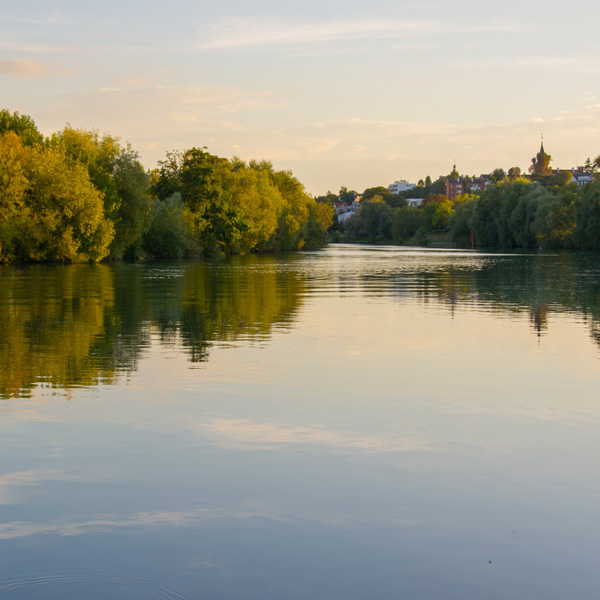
[[78, 196], [512, 213]]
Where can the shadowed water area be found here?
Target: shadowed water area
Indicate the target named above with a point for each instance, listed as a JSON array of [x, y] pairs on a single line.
[[360, 422]]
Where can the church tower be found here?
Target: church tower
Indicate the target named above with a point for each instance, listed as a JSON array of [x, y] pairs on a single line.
[[540, 165]]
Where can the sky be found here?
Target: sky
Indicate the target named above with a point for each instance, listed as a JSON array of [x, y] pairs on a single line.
[[342, 93]]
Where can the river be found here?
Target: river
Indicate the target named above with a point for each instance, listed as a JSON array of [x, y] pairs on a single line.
[[359, 422]]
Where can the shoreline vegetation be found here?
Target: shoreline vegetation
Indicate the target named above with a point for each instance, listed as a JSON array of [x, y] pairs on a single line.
[[511, 214], [546, 209], [78, 196]]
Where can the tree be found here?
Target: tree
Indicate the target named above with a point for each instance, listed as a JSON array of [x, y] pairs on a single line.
[[380, 191], [372, 222], [320, 220], [328, 197], [66, 220], [123, 182], [22, 125], [589, 166], [514, 173], [215, 223], [169, 235], [167, 178], [554, 223], [433, 199], [13, 185], [293, 212], [406, 221], [587, 217], [461, 222], [134, 214], [98, 155], [347, 196], [560, 179], [438, 186], [257, 201], [540, 163], [442, 212], [497, 175]]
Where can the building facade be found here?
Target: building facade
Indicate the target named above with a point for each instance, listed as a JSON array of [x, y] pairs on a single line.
[[400, 186]]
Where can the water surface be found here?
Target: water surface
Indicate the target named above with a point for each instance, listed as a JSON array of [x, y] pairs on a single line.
[[362, 422]]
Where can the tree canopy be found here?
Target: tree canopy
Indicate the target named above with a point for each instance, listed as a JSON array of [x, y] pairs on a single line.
[[80, 196]]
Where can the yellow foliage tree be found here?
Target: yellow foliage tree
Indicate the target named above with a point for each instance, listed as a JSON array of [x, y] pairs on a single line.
[[66, 221]]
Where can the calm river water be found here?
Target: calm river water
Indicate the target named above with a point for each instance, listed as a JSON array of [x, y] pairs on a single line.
[[357, 423]]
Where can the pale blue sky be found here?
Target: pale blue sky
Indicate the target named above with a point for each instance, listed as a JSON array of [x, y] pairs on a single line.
[[342, 93]]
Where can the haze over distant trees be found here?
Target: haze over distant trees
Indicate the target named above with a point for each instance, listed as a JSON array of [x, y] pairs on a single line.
[[77, 196]]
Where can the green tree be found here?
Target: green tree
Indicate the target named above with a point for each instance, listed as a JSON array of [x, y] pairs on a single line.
[[169, 235], [22, 125], [372, 222], [123, 182], [347, 196], [587, 217], [381, 191], [443, 211], [320, 220], [514, 173], [257, 201], [589, 166], [293, 213], [166, 180], [460, 223], [406, 221], [554, 223], [215, 223], [98, 155], [13, 184], [523, 215], [66, 219], [134, 215], [560, 179], [497, 175]]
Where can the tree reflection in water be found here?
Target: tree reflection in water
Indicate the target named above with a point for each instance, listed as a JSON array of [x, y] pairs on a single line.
[[82, 325]]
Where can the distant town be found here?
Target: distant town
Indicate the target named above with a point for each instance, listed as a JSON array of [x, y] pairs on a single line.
[[545, 207]]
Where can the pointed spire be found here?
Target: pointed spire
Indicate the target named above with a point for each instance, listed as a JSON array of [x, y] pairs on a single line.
[[542, 147]]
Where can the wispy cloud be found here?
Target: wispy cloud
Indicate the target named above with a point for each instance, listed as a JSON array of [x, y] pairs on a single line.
[[194, 102], [56, 18], [579, 64], [241, 433], [7, 45], [23, 68], [12, 483], [134, 80], [243, 33]]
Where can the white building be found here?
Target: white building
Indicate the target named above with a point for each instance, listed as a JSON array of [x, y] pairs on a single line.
[[401, 186], [416, 202], [581, 177], [345, 216]]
